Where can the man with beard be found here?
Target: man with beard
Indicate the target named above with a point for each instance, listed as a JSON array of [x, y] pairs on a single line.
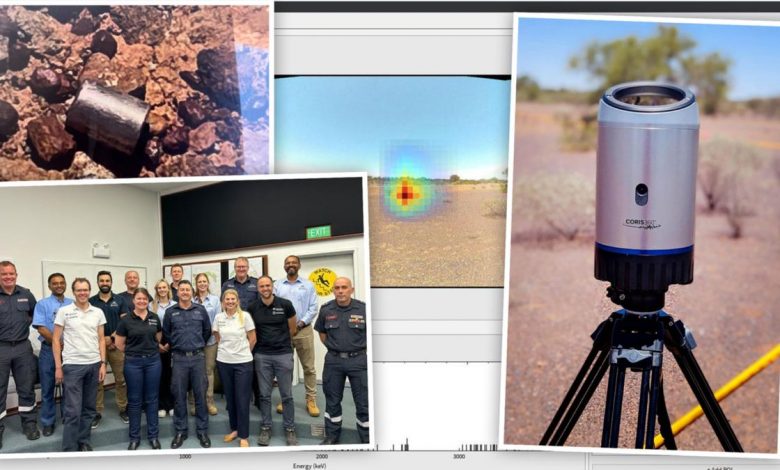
[[275, 321], [113, 307], [301, 293], [16, 354], [43, 321], [342, 327]]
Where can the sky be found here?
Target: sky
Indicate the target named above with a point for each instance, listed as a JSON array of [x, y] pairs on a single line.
[[453, 125], [545, 46]]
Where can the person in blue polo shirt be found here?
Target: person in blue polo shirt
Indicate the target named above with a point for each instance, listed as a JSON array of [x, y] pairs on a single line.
[[43, 321], [186, 328], [301, 293]]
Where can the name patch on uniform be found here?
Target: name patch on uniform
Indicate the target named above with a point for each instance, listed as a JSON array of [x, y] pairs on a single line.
[[331, 317], [277, 311], [22, 299]]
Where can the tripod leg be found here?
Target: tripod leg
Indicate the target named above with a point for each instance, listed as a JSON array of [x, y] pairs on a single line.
[[583, 390], [614, 405], [664, 422], [569, 395], [581, 400], [655, 381], [642, 413], [701, 389]]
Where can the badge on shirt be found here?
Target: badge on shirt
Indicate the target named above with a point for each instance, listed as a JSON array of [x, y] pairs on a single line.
[[277, 311], [357, 319]]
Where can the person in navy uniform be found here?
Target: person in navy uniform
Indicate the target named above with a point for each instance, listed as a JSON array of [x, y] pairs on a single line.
[[186, 328], [243, 283], [342, 328], [17, 305]]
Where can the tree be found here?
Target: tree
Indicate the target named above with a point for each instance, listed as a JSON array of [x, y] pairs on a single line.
[[527, 89], [708, 75], [667, 56], [454, 178]]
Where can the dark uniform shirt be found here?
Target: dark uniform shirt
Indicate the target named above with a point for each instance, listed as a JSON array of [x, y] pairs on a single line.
[[247, 290], [174, 293], [345, 326], [16, 312], [271, 327], [141, 339], [186, 329], [113, 310]]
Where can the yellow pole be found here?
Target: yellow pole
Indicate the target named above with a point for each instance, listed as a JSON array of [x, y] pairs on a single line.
[[723, 392]]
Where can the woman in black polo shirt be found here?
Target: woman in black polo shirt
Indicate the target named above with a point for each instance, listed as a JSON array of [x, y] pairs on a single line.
[[138, 335]]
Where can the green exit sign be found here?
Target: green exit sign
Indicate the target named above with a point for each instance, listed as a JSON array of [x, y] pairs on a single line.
[[322, 231]]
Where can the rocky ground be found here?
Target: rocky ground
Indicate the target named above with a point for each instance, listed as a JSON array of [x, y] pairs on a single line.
[[200, 71], [460, 243]]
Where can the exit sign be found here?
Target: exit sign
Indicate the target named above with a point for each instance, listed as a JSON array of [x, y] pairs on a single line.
[[322, 231]]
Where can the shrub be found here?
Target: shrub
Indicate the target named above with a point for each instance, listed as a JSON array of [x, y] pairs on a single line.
[[556, 205], [725, 167], [580, 133]]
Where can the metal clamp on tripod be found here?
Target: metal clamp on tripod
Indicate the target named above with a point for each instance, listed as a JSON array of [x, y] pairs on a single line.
[[645, 205]]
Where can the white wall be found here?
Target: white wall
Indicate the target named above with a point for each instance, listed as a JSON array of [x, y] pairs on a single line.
[[277, 253], [60, 223]]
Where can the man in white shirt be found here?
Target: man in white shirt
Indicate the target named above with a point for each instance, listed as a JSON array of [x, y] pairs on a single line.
[[80, 363]]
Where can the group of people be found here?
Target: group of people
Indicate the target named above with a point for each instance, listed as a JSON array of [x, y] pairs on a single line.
[[162, 346]]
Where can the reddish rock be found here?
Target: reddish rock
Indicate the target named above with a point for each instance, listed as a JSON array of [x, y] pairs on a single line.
[[18, 56], [98, 70], [176, 140], [192, 111], [45, 82], [227, 156], [203, 138], [9, 120], [104, 42], [52, 146], [141, 24], [230, 130], [84, 24], [217, 77], [131, 65]]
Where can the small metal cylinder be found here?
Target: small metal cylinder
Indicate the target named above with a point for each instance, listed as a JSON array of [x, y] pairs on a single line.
[[109, 117]]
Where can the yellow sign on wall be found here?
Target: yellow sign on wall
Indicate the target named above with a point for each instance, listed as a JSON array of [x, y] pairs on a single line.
[[323, 279]]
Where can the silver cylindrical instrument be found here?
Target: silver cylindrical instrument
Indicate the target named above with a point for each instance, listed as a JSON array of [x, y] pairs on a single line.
[[646, 188]]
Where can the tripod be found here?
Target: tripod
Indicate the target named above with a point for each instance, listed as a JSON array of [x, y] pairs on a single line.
[[630, 340]]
